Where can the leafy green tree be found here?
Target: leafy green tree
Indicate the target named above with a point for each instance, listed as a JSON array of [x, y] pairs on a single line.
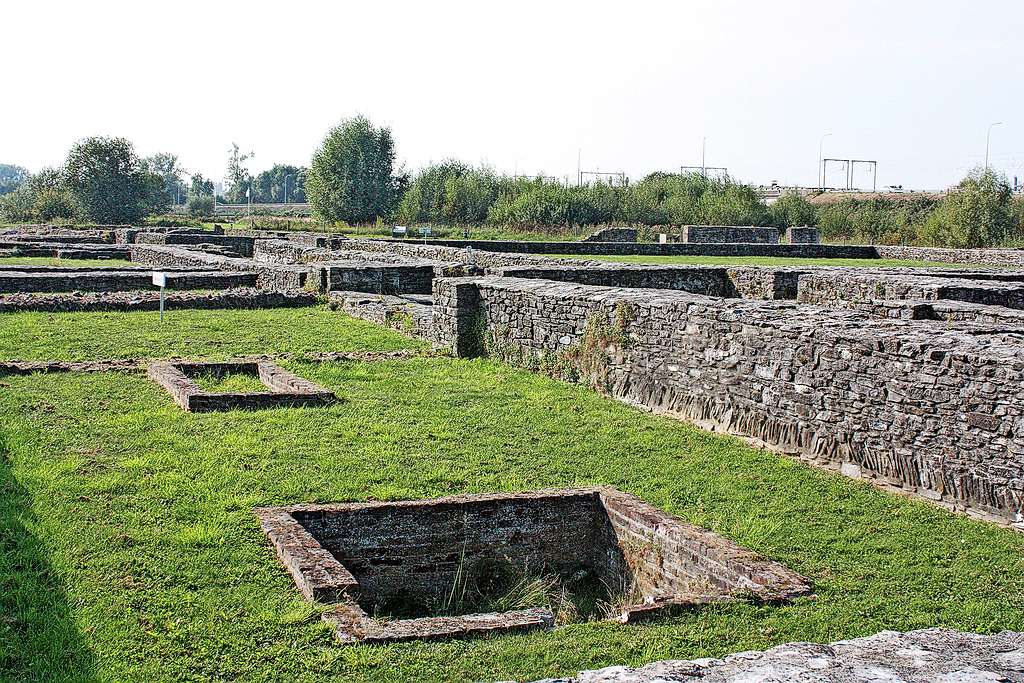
[[424, 201], [352, 177], [11, 177], [43, 197], [269, 186], [237, 176], [166, 166], [791, 209], [976, 213], [109, 182], [200, 187]]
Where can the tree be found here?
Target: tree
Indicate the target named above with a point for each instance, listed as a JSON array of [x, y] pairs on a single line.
[[42, 197], [200, 187], [270, 186], [976, 213], [352, 177], [109, 182], [238, 176], [166, 166], [11, 177]]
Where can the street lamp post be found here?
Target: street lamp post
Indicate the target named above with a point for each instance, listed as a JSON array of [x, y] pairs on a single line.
[[286, 188], [821, 166], [988, 136]]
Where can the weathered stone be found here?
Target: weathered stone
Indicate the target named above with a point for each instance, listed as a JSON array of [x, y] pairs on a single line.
[[926, 656], [411, 555]]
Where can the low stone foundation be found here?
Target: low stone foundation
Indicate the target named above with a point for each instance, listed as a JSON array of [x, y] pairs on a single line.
[[392, 568], [285, 390], [74, 302]]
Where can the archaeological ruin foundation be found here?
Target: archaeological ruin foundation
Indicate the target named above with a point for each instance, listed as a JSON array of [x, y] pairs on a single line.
[[445, 567], [907, 377]]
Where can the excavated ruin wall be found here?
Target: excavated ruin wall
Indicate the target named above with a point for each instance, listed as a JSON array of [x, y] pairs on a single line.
[[996, 257], [727, 234], [933, 411], [269, 276]]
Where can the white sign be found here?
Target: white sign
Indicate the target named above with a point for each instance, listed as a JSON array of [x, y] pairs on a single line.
[[159, 279]]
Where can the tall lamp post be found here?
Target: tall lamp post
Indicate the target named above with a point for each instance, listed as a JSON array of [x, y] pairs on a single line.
[[286, 188], [988, 136], [821, 167]]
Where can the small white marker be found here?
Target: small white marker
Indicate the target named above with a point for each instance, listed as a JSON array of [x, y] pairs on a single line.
[[160, 280]]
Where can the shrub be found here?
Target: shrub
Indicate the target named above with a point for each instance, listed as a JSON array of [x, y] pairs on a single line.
[[792, 209], [977, 213], [199, 205]]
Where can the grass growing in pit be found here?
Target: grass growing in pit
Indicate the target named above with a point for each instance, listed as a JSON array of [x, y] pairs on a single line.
[[129, 549], [229, 383], [216, 334], [768, 261]]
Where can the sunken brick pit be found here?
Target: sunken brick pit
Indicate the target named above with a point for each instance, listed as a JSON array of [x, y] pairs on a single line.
[[284, 389], [450, 567]]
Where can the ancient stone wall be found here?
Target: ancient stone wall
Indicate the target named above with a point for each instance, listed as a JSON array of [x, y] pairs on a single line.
[[729, 234], [911, 404], [802, 235], [238, 245], [63, 302], [379, 278], [269, 276], [751, 282], [995, 257], [116, 280], [836, 287], [613, 235], [422, 248]]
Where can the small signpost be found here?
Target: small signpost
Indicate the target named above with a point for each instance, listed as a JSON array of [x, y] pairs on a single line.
[[160, 280], [398, 231]]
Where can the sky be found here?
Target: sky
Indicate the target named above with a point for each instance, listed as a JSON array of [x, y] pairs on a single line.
[[531, 87]]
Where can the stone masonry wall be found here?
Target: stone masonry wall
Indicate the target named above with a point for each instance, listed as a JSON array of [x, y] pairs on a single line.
[[508, 248], [802, 235], [911, 404], [995, 257], [613, 235], [728, 234]]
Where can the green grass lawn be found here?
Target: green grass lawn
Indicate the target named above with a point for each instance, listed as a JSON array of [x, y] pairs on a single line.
[[64, 262], [769, 261], [189, 332], [130, 550]]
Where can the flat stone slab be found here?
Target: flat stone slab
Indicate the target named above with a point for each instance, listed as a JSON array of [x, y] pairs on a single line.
[[926, 656]]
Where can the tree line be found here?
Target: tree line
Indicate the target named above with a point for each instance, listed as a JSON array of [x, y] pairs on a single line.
[[353, 178]]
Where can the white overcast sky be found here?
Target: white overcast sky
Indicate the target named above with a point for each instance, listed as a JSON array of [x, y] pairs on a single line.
[[524, 85]]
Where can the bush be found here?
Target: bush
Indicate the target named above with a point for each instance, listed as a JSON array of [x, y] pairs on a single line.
[[16, 207], [977, 213], [199, 205], [792, 209]]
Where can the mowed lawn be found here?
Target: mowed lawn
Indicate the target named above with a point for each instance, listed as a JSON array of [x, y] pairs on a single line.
[[189, 333], [768, 261], [129, 551]]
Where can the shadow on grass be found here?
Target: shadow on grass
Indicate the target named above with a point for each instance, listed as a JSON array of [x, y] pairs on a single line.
[[38, 637]]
